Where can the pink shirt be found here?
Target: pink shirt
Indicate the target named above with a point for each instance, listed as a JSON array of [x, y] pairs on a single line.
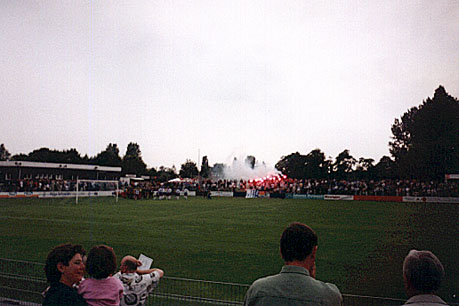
[[101, 292]]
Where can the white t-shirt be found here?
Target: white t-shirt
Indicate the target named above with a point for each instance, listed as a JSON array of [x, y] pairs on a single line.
[[137, 287]]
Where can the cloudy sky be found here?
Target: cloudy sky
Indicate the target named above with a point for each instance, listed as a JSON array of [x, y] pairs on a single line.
[[220, 78]]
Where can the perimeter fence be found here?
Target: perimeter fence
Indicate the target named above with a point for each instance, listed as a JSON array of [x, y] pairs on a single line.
[[23, 282]]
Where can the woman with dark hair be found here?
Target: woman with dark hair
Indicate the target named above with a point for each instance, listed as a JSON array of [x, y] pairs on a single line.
[[64, 269], [101, 288]]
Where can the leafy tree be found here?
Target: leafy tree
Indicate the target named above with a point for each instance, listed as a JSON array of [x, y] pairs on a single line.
[[152, 172], [364, 168], [426, 139], [20, 156], [132, 162], [292, 165], [4, 154], [109, 157], [165, 174], [71, 156], [250, 160], [385, 168], [315, 165], [205, 169], [344, 164], [188, 169]]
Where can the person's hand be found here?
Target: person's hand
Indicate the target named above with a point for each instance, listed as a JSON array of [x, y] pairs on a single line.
[[139, 263]]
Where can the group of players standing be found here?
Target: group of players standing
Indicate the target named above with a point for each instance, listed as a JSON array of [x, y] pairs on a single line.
[[167, 193], [149, 192]]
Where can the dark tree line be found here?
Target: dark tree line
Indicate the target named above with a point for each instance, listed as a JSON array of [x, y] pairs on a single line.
[[425, 145], [426, 138]]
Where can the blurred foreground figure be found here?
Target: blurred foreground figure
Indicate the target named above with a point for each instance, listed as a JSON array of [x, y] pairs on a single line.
[[423, 274], [296, 283]]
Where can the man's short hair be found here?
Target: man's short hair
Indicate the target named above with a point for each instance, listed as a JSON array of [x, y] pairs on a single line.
[[131, 265], [62, 253], [297, 242], [101, 262], [423, 270]]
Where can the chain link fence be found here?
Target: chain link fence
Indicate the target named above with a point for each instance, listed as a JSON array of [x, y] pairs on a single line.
[[22, 283]]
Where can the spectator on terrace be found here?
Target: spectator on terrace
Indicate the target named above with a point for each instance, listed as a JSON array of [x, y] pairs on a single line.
[[296, 283], [138, 284], [101, 288], [422, 274], [64, 269]]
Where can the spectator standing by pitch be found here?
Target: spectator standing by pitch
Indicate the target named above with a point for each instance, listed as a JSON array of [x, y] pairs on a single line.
[[296, 283], [422, 274]]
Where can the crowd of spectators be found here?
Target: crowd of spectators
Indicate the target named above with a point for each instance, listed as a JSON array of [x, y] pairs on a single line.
[[148, 189], [33, 185], [342, 187]]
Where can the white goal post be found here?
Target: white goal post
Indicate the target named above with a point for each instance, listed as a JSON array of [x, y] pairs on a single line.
[[96, 182]]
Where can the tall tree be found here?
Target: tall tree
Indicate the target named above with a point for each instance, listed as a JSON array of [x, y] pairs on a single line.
[[344, 164], [109, 157], [188, 169], [385, 168], [4, 154], [205, 168], [316, 165], [426, 139], [165, 174], [132, 161], [365, 168], [292, 165], [71, 156]]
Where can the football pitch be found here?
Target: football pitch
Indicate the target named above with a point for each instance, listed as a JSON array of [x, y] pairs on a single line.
[[361, 244]]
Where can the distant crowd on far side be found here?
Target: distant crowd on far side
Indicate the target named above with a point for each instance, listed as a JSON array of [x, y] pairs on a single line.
[[148, 188]]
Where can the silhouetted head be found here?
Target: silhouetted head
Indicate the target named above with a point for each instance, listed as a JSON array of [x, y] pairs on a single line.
[[101, 262], [422, 272], [297, 242]]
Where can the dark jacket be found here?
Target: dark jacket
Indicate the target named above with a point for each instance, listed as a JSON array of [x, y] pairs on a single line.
[[62, 295]]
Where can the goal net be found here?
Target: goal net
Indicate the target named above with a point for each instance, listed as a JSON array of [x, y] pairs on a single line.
[[101, 188]]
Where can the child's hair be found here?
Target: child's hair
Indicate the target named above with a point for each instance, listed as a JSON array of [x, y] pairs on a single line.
[[101, 262]]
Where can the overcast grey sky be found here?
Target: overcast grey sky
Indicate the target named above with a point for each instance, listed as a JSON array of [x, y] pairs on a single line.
[[225, 78]]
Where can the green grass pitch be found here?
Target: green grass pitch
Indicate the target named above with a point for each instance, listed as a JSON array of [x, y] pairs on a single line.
[[361, 244]]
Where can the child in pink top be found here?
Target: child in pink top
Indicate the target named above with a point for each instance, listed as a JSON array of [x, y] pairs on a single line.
[[101, 289]]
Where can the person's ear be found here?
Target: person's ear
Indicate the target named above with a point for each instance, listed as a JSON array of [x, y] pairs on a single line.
[[60, 267], [314, 251]]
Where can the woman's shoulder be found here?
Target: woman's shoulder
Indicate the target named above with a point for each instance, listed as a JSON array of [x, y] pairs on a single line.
[[62, 295]]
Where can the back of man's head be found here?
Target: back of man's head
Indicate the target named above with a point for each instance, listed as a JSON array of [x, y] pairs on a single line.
[[129, 264], [297, 242], [423, 271]]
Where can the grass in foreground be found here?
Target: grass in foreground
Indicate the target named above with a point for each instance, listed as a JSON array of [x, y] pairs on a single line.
[[361, 244]]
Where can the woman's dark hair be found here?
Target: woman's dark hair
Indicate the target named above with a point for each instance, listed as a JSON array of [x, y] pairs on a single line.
[[62, 253], [297, 242], [101, 262]]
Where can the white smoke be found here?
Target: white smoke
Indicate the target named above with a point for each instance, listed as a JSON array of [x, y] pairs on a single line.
[[241, 169]]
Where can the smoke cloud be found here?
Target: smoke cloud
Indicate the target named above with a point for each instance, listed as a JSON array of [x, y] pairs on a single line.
[[241, 169]]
